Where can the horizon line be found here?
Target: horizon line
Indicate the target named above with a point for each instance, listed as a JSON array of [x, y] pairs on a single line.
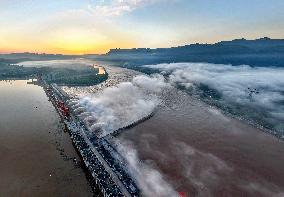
[[80, 54]]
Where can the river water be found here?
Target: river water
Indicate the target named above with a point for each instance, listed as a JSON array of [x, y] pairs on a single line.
[[36, 154], [202, 152]]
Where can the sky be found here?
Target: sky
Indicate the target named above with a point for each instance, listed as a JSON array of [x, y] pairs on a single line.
[[95, 26]]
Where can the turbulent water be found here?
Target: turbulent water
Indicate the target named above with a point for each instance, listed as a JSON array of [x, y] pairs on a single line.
[[121, 105]]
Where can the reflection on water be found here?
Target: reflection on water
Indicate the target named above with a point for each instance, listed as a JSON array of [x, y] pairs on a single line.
[[68, 63], [36, 155]]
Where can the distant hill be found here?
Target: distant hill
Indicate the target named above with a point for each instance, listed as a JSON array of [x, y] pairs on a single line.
[[259, 52], [238, 46]]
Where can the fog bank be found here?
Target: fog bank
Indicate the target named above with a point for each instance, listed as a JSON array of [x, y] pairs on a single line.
[[121, 105], [257, 93]]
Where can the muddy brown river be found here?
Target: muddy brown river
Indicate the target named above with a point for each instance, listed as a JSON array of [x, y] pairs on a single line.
[[202, 152], [36, 154]]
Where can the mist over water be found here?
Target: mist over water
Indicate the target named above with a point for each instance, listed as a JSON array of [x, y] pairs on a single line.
[[121, 105], [118, 106], [150, 180], [255, 93]]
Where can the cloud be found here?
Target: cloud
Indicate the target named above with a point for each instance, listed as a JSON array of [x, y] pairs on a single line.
[[118, 7], [121, 105], [256, 88]]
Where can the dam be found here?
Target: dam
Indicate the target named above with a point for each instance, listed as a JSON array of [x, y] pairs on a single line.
[[105, 164]]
